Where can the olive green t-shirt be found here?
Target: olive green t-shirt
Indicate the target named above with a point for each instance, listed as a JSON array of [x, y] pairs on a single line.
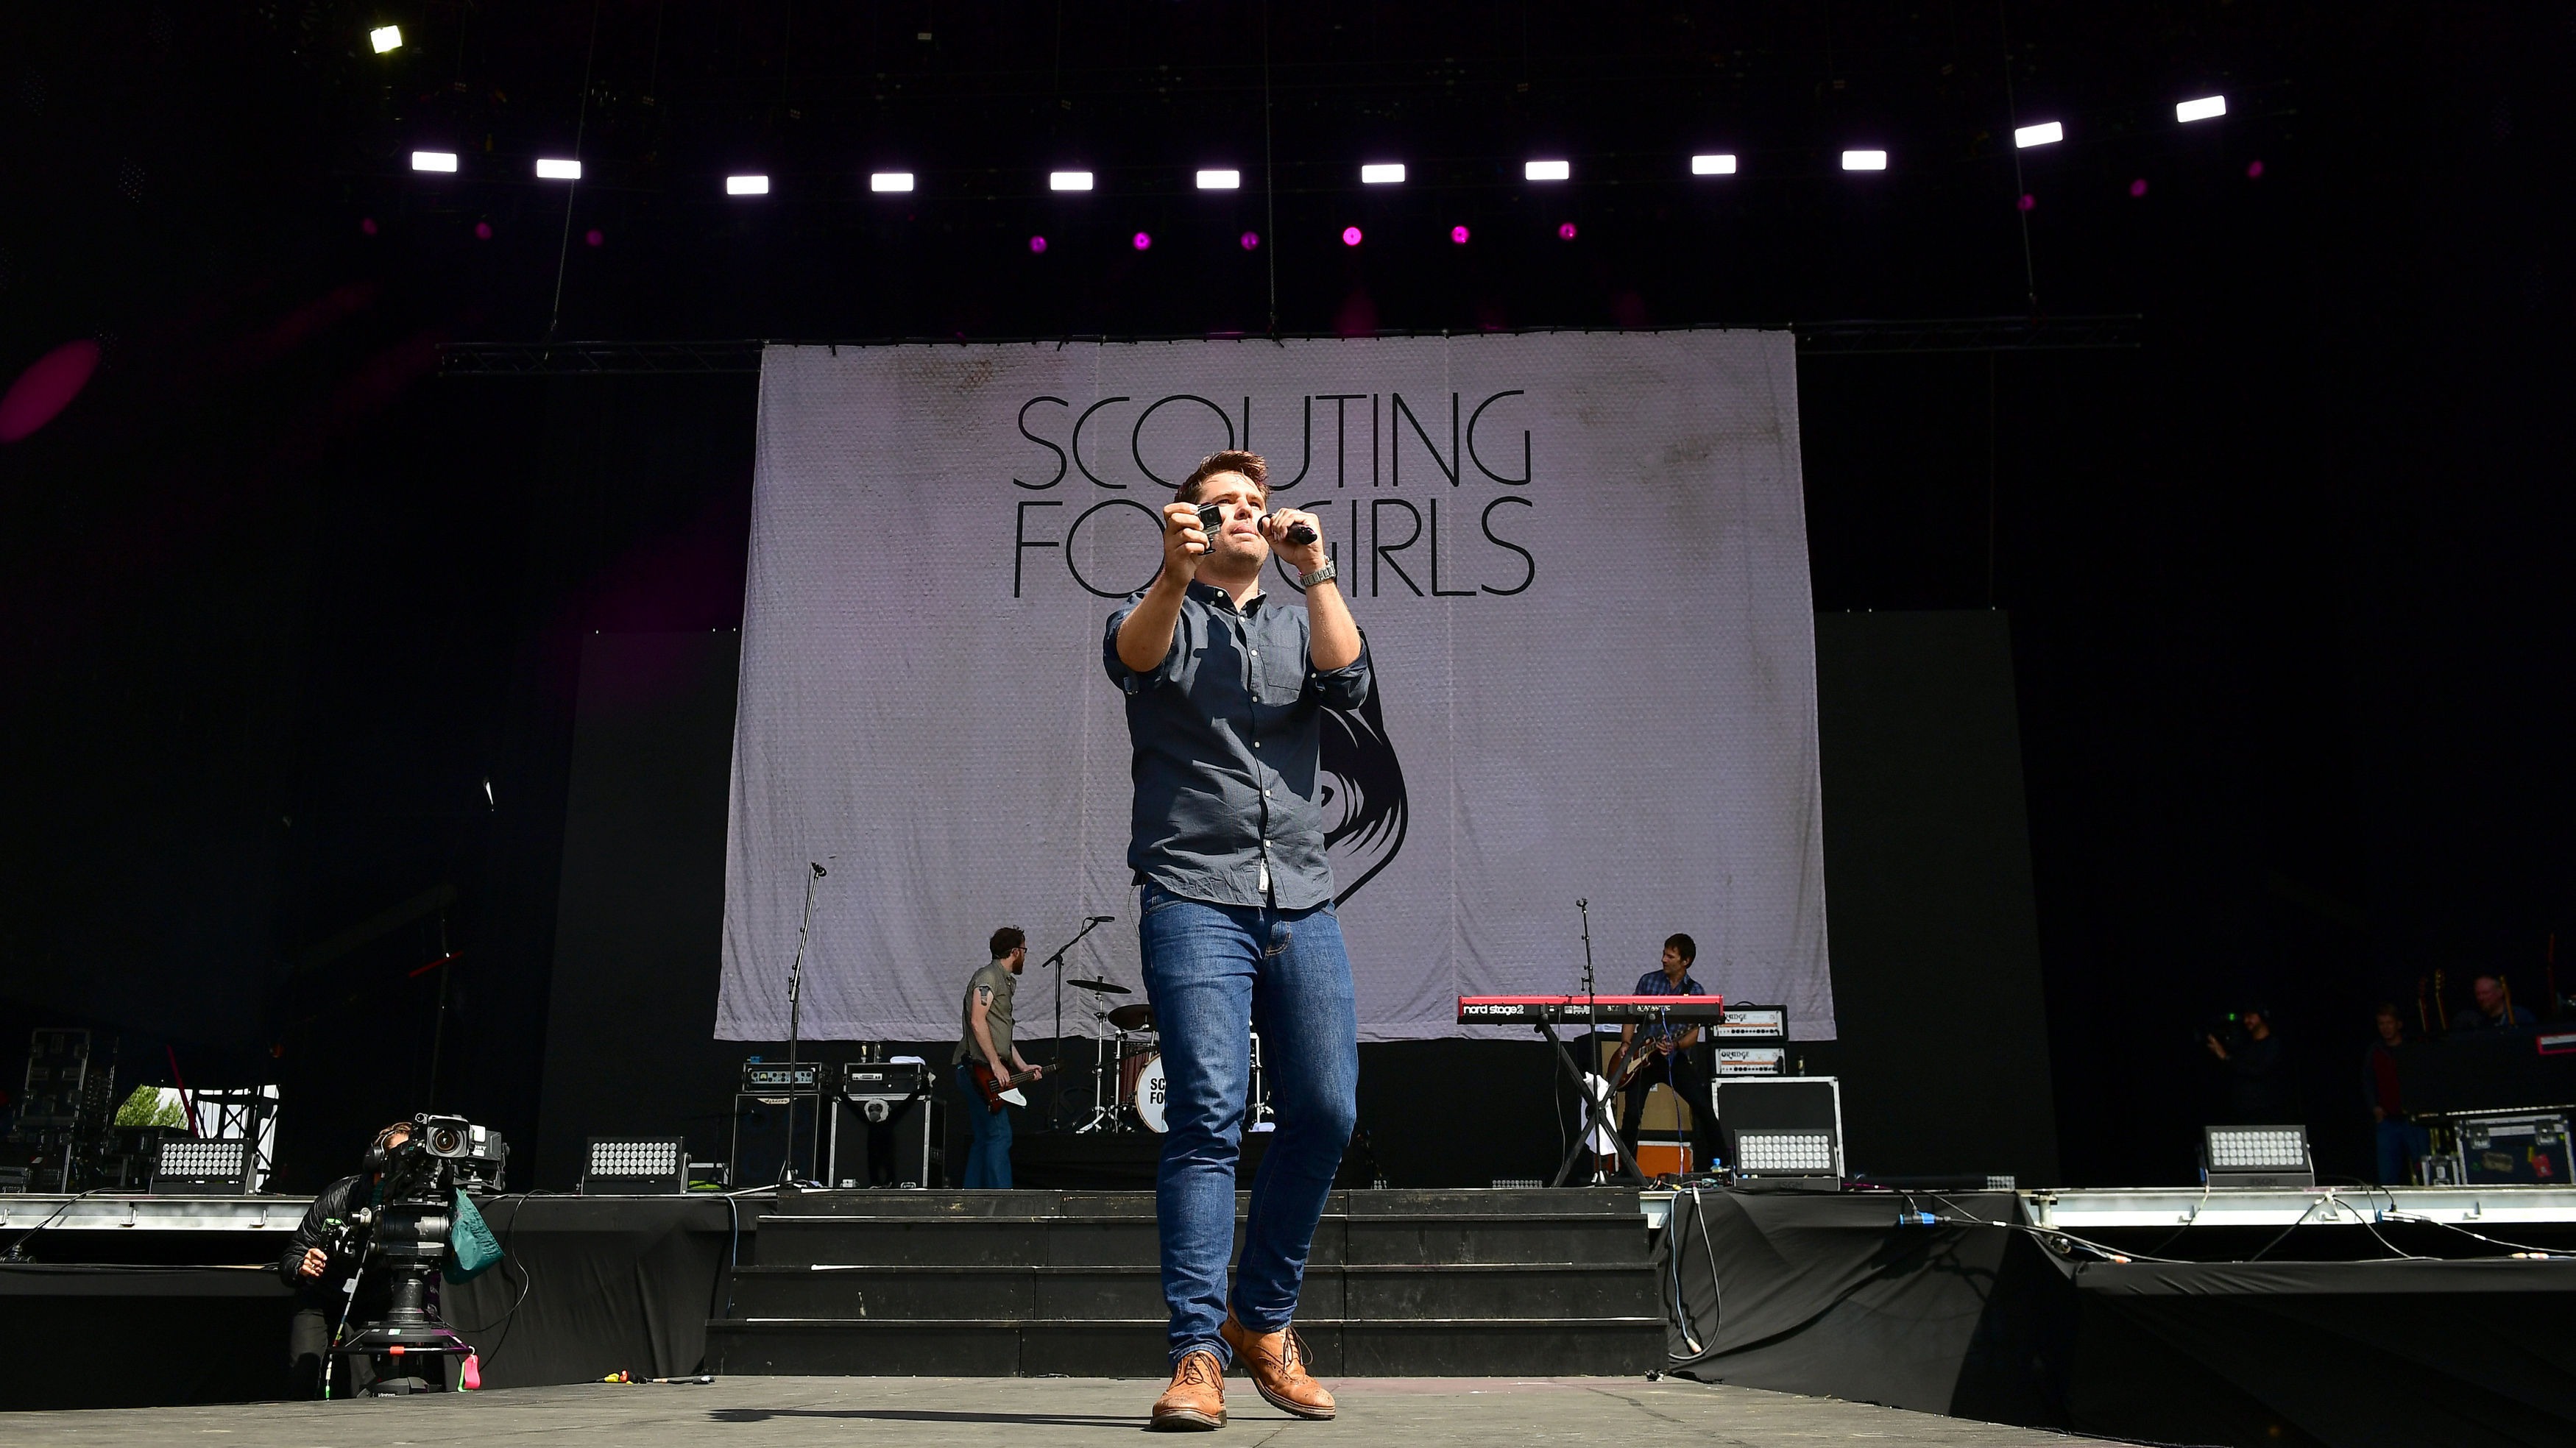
[[997, 978]]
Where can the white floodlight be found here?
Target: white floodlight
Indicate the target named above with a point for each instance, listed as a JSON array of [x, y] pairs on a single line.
[[2204, 109], [433, 160], [746, 185], [1220, 180], [1068, 180], [1721, 164], [385, 37], [556, 170], [1382, 173], [1547, 171], [2046, 133], [889, 180], [1864, 160]]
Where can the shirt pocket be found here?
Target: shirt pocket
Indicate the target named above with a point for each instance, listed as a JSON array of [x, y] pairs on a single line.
[[1279, 675]]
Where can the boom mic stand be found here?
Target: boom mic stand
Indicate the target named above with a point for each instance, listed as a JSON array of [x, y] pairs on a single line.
[[1596, 1109], [1055, 962], [795, 997]]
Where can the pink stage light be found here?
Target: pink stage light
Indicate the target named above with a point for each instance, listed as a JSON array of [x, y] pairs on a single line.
[[482, 231], [46, 388], [594, 238], [367, 224], [1566, 231], [1350, 236], [2138, 187], [2027, 201], [1037, 244], [2254, 171], [1458, 234], [1250, 240], [1142, 242]]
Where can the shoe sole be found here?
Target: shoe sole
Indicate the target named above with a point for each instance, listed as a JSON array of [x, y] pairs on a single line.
[[1291, 1406], [1186, 1420]]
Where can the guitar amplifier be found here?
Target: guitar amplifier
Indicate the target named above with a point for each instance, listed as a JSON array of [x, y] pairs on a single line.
[[782, 1078], [1753, 1023], [1752, 1061], [883, 1080]]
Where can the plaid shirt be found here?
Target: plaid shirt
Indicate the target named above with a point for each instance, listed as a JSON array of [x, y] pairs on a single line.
[[1655, 982]]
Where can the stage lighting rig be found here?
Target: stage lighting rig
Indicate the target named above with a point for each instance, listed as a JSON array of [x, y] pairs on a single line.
[[1720, 164], [1382, 173], [889, 181], [746, 185], [433, 161], [1068, 180], [1864, 160], [2207, 108], [1220, 180], [2046, 133], [1547, 171], [385, 38], [553, 169]]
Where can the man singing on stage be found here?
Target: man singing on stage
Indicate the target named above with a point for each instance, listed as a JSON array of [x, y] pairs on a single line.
[[1224, 690]]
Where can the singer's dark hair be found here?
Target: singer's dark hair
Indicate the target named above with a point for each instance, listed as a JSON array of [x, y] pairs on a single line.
[[1008, 939], [1232, 460], [1683, 943]]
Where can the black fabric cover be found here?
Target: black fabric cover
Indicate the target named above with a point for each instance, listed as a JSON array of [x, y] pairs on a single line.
[[613, 1284], [1832, 1295]]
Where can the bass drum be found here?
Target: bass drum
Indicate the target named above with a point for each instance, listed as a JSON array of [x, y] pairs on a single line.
[[1149, 1093]]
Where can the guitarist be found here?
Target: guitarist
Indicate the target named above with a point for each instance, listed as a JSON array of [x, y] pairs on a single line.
[[985, 1044], [1660, 1053]]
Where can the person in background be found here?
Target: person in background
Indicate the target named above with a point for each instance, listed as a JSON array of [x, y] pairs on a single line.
[[984, 1038], [2402, 1143], [2495, 1010], [318, 1264], [2258, 1071]]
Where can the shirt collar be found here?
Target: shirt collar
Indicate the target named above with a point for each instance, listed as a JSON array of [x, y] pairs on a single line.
[[1212, 596]]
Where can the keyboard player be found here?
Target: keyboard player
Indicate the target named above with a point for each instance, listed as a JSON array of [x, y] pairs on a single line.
[[1678, 1060]]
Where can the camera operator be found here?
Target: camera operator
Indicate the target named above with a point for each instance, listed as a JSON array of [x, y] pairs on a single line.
[[317, 1265]]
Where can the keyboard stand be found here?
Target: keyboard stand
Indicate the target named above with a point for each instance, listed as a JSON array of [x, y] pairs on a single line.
[[1597, 1115]]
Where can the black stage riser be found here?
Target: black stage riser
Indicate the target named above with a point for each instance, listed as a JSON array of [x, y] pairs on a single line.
[[1137, 1348], [1399, 1283]]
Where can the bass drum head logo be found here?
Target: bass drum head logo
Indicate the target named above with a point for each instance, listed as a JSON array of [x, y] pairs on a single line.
[[1363, 795]]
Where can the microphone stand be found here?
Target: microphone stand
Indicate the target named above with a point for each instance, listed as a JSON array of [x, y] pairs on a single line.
[[795, 996], [1055, 962]]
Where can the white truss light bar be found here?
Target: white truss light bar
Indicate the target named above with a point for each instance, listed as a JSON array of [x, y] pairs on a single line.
[[2046, 133], [433, 160], [1864, 160], [385, 37], [557, 170], [889, 180], [2204, 109], [1547, 171], [1721, 164], [1382, 173], [1220, 180], [1068, 180], [746, 185]]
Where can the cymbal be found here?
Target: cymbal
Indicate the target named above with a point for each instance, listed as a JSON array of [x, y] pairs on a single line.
[[1130, 1018], [1102, 986]]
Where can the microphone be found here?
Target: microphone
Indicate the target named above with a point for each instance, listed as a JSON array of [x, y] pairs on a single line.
[[1102, 919], [819, 871], [1300, 534]]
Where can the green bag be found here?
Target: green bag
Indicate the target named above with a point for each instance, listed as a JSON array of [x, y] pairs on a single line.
[[470, 1244]]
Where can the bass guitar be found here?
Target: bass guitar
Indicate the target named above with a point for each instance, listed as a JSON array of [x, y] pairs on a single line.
[[1001, 1089]]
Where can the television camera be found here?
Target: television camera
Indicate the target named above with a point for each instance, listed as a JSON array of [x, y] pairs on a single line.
[[407, 1233]]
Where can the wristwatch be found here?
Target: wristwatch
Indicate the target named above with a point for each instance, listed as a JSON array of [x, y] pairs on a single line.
[[1325, 574]]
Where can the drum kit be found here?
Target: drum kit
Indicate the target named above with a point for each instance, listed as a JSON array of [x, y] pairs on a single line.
[[1127, 1082]]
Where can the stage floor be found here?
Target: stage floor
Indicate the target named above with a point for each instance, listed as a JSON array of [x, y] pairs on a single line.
[[1011, 1413]]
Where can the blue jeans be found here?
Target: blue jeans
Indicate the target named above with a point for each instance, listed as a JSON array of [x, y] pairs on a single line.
[[1216, 973], [2400, 1144], [988, 1161]]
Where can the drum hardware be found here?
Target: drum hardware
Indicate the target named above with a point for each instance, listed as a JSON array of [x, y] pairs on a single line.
[[1136, 1017], [1090, 923], [1101, 987]]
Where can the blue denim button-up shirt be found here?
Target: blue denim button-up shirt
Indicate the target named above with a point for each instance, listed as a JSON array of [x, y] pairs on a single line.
[[1228, 752]]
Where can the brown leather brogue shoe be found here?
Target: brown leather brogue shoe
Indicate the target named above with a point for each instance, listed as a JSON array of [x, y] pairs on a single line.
[[1277, 1362], [1195, 1402]]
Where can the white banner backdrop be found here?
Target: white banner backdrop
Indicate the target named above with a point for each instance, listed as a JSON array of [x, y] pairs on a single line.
[[1581, 563]]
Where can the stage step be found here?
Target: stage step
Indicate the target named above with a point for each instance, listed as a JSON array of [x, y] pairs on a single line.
[[1400, 1283], [1136, 1347]]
